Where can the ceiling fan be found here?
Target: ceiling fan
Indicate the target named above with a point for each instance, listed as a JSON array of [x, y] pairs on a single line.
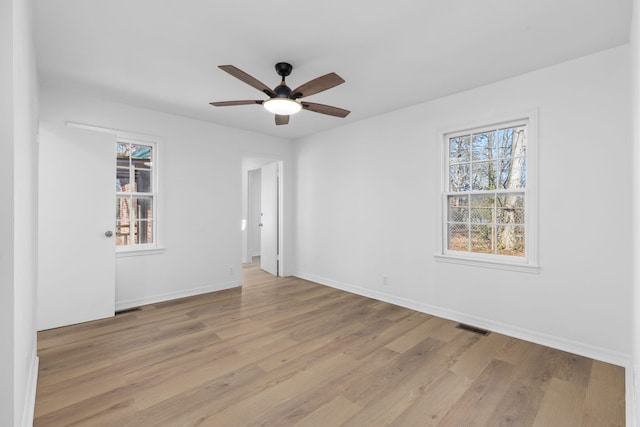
[[282, 100]]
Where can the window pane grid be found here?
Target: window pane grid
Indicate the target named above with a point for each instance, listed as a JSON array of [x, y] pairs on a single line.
[[135, 197], [484, 213]]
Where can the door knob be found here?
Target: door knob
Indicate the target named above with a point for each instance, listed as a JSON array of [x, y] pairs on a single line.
[[108, 233], [260, 225]]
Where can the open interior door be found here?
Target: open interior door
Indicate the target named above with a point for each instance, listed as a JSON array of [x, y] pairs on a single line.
[[76, 211], [269, 219]]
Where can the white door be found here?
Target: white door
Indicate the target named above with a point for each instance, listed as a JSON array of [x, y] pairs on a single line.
[[76, 209], [269, 219]]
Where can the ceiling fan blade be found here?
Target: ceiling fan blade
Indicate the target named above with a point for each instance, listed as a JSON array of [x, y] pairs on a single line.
[[282, 120], [250, 80], [230, 103], [317, 85], [325, 109]]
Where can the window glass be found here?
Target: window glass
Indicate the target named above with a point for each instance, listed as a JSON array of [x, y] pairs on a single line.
[[485, 201], [135, 195]]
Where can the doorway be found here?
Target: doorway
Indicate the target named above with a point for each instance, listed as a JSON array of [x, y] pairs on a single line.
[[262, 219]]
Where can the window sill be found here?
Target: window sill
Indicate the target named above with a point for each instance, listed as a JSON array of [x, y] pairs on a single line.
[[124, 253], [499, 265]]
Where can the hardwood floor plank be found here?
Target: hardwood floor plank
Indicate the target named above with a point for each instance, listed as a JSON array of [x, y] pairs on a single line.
[[96, 411], [515, 351], [422, 359], [562, 405], [193, 406], [435, 402], [605, 395], [479, 355], [291, 368], [193, 370], [312, 398], [518, 406], [251, 411], [532, 374], [333, 413], [287, 355], [384, 409], [461, 343], [477, 404], [413, 336], [286, 351], [444, 330], [73, 392], [571, 367]]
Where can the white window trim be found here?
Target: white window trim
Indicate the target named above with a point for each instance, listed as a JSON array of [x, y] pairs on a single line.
[[156, 142], [528, 263]]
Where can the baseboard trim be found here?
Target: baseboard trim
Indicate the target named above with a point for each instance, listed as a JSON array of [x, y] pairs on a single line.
[[30, 398], [587, 350], [137, 302]]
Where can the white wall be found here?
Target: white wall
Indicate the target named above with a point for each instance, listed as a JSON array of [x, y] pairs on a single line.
[[25, 220], [367, 205], [18, 160], [6, 216], [634, 390], [200, 196]]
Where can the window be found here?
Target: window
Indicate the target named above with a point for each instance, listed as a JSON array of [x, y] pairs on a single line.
[[135, 195], [488, 201]]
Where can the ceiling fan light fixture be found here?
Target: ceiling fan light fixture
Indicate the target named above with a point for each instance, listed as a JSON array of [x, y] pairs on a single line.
[[282, 106], [283, 101]]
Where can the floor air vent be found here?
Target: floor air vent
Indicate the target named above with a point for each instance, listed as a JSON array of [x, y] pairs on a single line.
[[473, 329], [128, 310]]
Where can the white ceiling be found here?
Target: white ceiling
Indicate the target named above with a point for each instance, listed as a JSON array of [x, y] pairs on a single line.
[[163, 54]]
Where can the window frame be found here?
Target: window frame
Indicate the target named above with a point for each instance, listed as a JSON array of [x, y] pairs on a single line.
[[528, 262], [153, 195]]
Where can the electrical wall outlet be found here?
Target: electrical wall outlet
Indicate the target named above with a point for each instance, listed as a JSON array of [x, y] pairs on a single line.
[[385, 280]]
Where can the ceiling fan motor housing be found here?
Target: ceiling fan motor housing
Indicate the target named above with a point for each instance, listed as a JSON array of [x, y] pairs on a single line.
[[282, 91]]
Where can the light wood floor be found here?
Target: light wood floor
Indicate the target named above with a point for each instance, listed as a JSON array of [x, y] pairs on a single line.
[[287, 352]]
